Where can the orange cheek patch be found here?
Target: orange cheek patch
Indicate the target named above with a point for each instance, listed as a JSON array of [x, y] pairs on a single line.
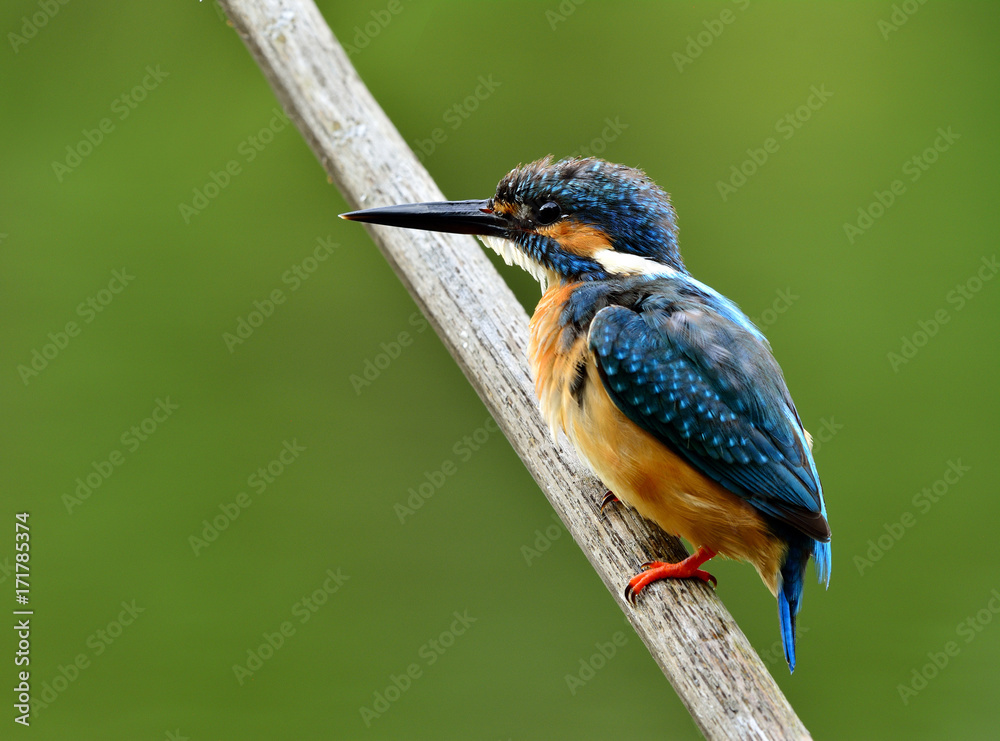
[[584, 241]]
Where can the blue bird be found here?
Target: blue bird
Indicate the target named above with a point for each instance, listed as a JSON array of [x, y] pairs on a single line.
[[666, 389]]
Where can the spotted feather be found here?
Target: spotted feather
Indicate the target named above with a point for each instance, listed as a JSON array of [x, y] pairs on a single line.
[[711, 391]]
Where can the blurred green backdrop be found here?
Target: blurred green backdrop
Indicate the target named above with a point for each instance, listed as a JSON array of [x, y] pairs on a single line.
[[158, 413]]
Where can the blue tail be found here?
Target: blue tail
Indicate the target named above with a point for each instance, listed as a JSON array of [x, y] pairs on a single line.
[[793, 572]]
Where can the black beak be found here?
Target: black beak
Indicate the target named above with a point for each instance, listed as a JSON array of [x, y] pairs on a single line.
[[457, 217]]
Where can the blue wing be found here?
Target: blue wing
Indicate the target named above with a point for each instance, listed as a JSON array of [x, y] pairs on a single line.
[[690, 369]]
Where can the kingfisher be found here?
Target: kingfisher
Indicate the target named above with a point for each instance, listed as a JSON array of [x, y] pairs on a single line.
[[665, 388]]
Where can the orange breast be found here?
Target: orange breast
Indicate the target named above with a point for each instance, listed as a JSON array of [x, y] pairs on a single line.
[[554, 354], [638, 468]]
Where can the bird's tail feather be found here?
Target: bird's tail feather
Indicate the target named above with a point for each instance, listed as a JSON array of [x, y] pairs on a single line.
[[821, 553], [793, 572]]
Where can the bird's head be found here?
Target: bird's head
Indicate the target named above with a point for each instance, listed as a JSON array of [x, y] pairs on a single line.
[[571, 220]]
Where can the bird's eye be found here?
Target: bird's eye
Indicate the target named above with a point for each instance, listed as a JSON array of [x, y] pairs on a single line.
[[548, 213]]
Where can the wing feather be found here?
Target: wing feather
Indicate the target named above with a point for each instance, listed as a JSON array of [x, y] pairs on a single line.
[[709, 388]]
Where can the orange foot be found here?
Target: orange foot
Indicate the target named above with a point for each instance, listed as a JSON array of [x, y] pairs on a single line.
[[656, 570]]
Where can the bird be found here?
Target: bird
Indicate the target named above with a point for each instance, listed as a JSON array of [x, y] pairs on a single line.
[[665, 388]]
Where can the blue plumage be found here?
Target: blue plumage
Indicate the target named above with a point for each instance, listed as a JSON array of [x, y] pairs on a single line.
[[711, 391], [680, 361], [622, 201]]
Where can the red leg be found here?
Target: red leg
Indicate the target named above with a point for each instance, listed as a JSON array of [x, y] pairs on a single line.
[[656, 570]]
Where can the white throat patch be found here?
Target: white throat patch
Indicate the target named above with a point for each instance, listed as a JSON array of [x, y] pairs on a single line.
[[513, 255], [625, 263], [616, 263]]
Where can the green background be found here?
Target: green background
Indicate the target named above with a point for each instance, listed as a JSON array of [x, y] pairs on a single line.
[[777, 242]]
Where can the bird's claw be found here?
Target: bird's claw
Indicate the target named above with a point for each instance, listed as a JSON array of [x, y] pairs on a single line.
[[609, 498], [629, 594], [707, 578]]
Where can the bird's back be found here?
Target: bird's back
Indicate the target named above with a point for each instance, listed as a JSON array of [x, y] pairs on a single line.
[[675, 401]]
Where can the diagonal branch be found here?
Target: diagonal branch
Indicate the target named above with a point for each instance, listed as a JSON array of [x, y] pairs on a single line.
[[687, 630]]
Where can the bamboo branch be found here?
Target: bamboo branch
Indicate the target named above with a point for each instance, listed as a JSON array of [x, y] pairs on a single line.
[[688, 631]]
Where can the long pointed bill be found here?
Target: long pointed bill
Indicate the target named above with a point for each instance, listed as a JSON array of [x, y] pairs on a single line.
[[457, 217]]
